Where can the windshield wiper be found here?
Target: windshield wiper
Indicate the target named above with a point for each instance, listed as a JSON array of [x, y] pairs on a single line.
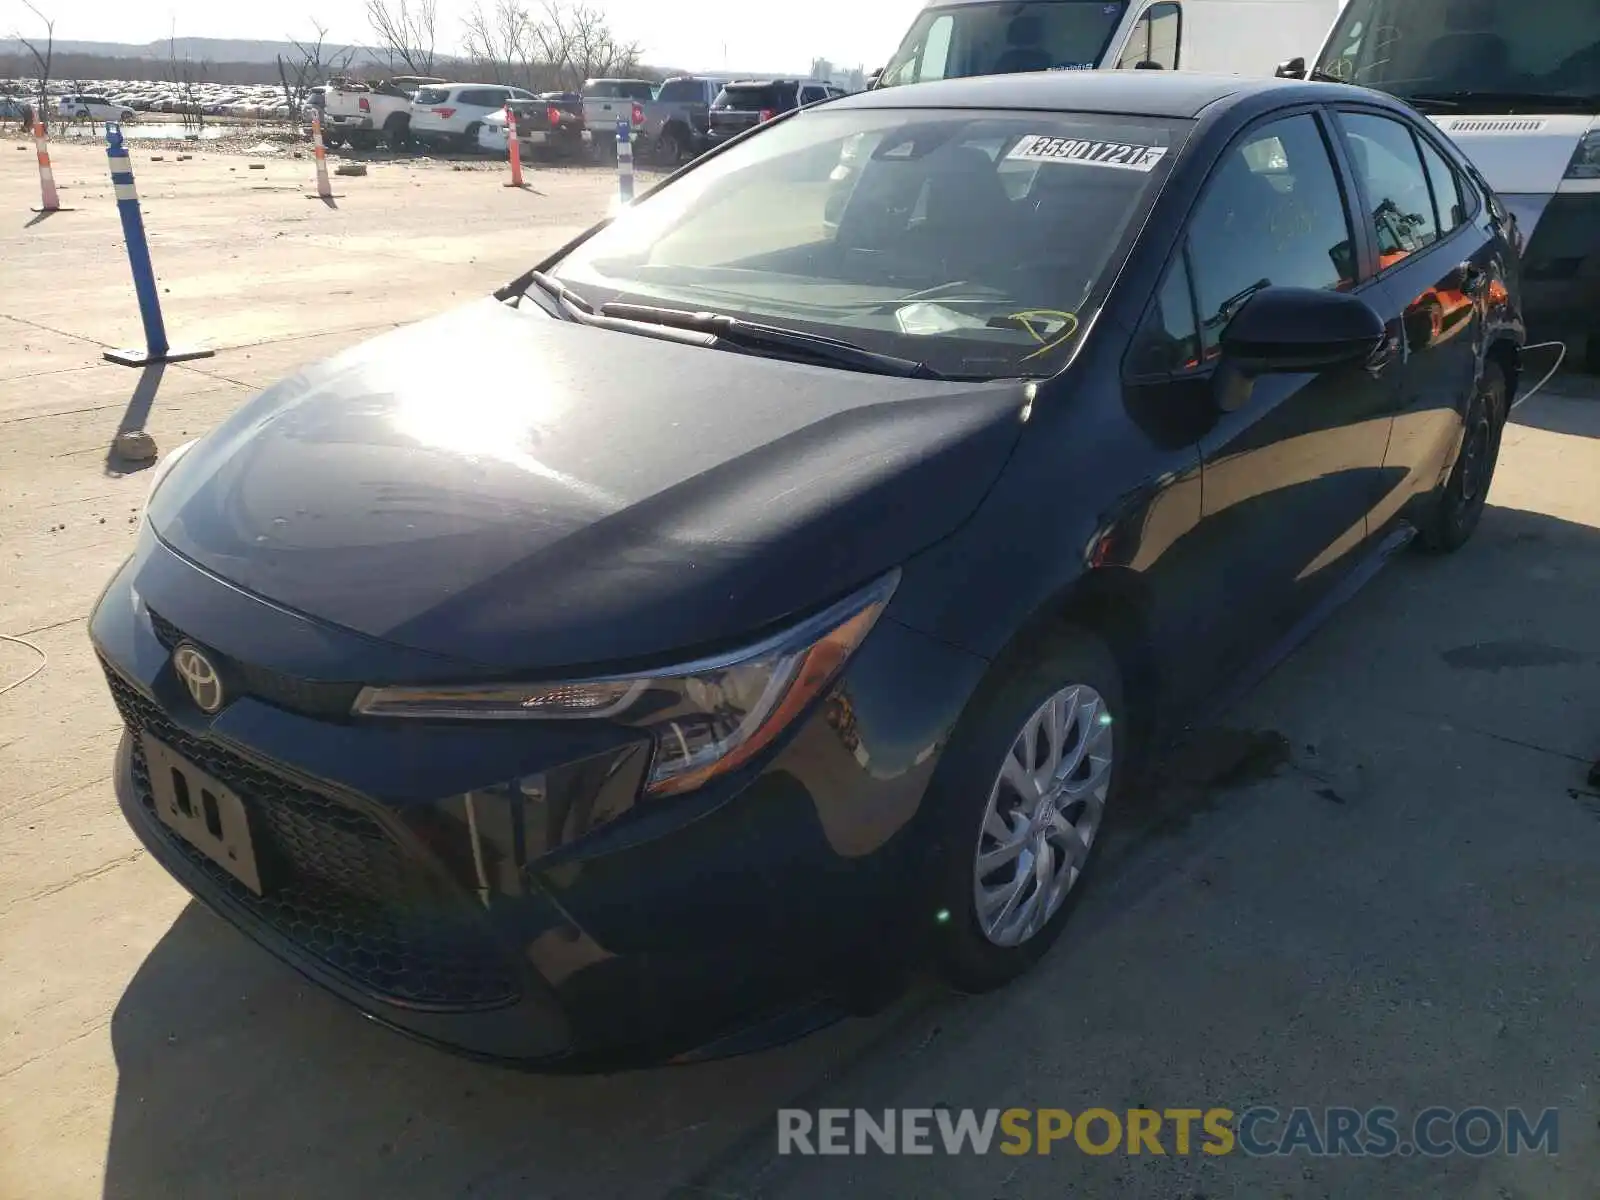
[[750, 335], [1533, 101]]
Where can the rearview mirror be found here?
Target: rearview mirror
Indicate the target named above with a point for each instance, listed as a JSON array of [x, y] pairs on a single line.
[[1295, 68], [1285, 330]]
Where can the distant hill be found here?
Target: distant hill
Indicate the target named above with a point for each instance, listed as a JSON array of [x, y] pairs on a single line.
[[198, 49]]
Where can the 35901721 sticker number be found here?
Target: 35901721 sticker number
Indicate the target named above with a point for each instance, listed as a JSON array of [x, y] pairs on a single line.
[[1120, 155]]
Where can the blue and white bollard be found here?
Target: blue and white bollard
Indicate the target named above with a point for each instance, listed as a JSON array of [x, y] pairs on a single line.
[[144, 276], [625, 160]]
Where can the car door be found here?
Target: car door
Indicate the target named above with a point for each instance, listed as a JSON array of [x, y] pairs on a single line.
[[1289, 478], [1436, 265]]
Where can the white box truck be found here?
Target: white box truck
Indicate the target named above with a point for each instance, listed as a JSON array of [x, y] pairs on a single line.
[[957, 38], [1517, 86]]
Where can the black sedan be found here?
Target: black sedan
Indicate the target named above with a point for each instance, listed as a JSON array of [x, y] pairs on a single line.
[[773, 605]]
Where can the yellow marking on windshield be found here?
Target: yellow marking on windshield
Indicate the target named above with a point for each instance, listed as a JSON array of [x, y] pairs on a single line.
[[1031, 319]]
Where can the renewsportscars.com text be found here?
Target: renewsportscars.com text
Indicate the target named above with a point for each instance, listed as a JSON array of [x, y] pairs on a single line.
[[1255, 1132]]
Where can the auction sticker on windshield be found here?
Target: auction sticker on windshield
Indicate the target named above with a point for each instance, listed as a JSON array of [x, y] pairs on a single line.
[[1041, 147]]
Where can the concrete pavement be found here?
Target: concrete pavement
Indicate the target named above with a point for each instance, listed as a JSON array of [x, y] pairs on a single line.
[[1400, 912]]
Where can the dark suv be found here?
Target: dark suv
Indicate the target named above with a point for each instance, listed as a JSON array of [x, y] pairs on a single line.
[[749, 102]]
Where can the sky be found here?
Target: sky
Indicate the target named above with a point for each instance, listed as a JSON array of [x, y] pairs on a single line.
[[700, 35]]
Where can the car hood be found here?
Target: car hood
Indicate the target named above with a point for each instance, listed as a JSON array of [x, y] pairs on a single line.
[[508, 489]]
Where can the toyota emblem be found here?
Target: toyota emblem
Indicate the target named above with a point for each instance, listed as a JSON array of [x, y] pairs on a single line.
[[199, 676]]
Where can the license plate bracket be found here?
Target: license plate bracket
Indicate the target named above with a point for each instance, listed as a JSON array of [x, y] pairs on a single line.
[[202, 811]]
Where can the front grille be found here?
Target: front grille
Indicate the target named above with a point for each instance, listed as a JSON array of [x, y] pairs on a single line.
[[338, 885], [310, 698]]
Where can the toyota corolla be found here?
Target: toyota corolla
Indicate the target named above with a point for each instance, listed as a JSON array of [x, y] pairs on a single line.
[[776, 600]]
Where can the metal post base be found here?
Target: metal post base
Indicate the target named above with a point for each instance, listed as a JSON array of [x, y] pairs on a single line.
[[143, 358]]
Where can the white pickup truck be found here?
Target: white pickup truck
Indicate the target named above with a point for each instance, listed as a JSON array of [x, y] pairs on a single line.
[[364, 114]]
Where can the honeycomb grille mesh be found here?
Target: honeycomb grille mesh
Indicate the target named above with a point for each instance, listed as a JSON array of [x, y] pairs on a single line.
[[340, 887]]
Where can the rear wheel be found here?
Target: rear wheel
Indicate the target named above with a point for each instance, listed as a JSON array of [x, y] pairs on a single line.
[[397, 131], [469, 139], [1460, 504], [1023, 795], [363, 139], [669, 147]]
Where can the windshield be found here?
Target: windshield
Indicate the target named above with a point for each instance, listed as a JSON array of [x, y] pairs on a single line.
[[977, 243], [1442, 47], [1002, 38]]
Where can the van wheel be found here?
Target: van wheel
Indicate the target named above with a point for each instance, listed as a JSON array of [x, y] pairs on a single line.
[[1031, 773]]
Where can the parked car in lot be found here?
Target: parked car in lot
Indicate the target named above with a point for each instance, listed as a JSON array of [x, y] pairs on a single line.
[[365, 114], [760, 612], [552, 124], [451, 115], [678, 121], [607, 101], [746, 103], [94, 108]]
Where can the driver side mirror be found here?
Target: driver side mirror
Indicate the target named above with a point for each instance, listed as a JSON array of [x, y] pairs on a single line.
[[1286, 330], [1295, 68]]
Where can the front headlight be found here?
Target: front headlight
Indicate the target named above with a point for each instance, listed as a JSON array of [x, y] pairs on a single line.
[[706, 718], [162, 469], [1585, 162]]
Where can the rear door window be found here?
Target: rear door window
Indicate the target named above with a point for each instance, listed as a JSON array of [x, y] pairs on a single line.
[[1446, 189], [429, 96], [1387, 160]]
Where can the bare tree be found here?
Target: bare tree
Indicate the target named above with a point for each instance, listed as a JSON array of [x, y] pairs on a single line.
[[500, 42], [185, 75], [578, 39], [42, 61], [407, 30], [308, 67]]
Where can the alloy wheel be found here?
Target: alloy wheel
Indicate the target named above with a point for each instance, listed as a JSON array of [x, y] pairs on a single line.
[[1045, 808]]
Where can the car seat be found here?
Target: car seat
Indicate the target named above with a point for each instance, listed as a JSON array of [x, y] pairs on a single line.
[[1023, 51]]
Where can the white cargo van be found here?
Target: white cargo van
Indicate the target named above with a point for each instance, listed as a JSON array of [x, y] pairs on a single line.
[[954, 38], [1516, 84]]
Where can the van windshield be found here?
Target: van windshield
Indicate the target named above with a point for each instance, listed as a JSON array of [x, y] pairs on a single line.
[[995, 38], [978, 243], [1519, 55]]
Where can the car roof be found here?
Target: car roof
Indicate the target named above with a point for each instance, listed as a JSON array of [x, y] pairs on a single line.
[[1142, 93]]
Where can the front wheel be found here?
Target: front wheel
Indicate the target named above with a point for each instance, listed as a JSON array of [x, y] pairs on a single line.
[[1024, 791], [1460, 503]]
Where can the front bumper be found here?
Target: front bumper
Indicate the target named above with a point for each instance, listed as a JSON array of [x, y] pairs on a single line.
[[1560, 265], [562, 924]]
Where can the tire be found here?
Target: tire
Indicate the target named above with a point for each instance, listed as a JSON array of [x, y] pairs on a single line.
[[469, 139], [363, 140], [669, 147], [975, 799], [1460, 503], [397, 131]]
